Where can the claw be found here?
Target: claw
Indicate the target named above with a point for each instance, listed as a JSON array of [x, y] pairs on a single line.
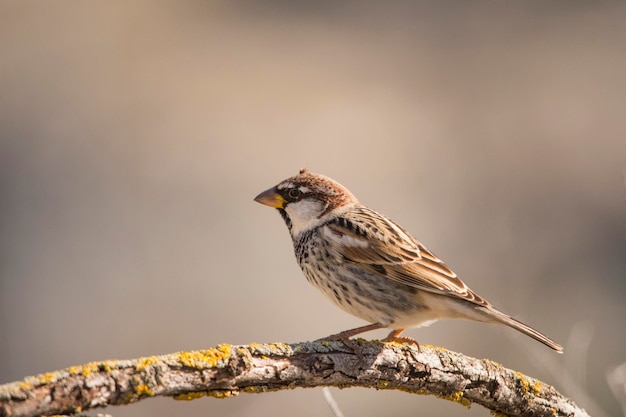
[[349, 343], [394, 336], [344, 337]]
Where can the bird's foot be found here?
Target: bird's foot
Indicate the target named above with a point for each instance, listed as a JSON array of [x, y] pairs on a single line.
[[394, 336], [345, 339]]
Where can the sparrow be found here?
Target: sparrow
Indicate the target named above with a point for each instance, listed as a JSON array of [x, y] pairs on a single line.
[[370, 266]]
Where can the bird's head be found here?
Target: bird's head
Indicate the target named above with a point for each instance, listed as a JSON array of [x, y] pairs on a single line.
[[307, 200]]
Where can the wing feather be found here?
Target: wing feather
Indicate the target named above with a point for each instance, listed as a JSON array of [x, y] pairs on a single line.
[[376, 243]]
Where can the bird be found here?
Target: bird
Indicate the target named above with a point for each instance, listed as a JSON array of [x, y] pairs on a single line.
[[371, 267]]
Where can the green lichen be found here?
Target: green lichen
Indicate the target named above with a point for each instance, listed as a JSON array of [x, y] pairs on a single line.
[[325, 343], [270, 349]]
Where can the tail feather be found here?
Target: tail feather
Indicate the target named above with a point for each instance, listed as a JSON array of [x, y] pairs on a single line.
[[499, 317]]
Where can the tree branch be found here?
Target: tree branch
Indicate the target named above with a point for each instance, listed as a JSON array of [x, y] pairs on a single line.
[[227, 370]]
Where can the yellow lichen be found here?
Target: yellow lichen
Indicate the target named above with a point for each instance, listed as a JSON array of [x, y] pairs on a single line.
[[188, 396], [84, 370], [108, 366], [419, 391], [145, 362], [129, 397], [437, 348], [25, 386], [536, 388], [279, 348], [90, 368], [257, 389], [395, 344], [74, 370], [242, 351], [457, 397], [523, 381], [493, 363], [143, 390], [382, 384], [222, 393], [208, 358], [47, 377]]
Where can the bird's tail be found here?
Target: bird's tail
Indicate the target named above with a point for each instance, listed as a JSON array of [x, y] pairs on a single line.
[[499, 317]]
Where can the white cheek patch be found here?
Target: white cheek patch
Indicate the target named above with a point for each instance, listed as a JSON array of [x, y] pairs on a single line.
[[304, 215]]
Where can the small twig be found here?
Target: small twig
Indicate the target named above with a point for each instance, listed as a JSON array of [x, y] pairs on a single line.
[[332, 404], [226, 371], [616, 379]]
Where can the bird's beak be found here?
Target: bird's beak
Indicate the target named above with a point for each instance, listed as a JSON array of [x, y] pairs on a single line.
[[270, 198]]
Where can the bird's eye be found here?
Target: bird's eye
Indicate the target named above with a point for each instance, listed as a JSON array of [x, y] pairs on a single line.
[[294, 193]]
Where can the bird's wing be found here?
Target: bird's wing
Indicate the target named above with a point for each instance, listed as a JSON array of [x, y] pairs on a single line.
[[376, 243]]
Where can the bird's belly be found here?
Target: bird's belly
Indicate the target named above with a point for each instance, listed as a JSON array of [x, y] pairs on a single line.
[[370, 297]]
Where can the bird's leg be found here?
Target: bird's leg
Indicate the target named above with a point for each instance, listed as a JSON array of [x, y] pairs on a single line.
[[345, 336], [394, 336], [353, 332]]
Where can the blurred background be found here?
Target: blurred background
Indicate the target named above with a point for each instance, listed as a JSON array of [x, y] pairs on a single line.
[[134, 136]]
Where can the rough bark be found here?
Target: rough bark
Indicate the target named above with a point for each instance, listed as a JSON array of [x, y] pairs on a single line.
[[228, 370]]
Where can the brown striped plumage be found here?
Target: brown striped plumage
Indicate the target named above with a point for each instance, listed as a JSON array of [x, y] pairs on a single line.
[[370, 266]]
